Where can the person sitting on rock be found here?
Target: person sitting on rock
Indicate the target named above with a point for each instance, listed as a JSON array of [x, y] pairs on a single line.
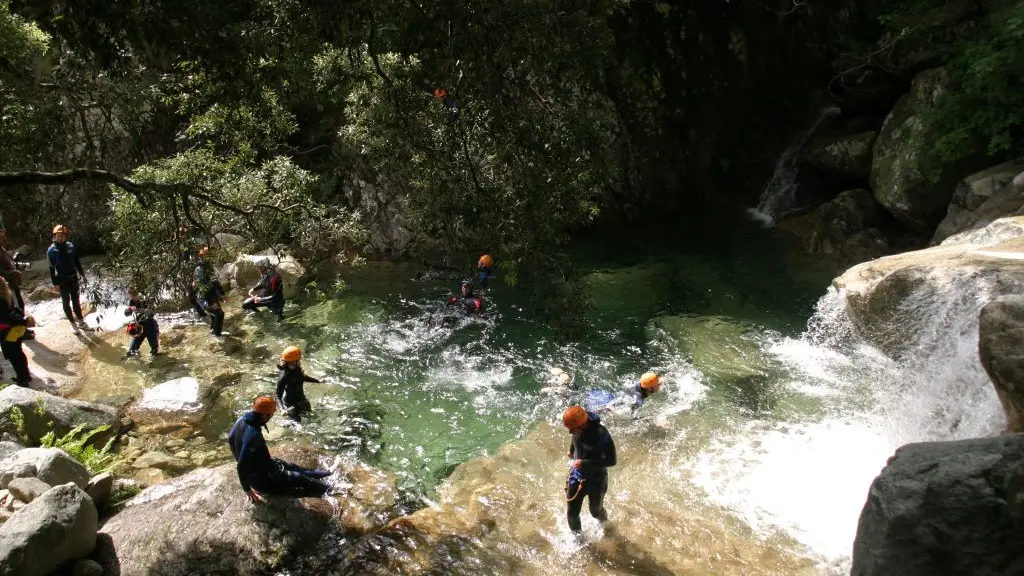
[[10, 269], [209, 291], [13, 325], [290, 393], [466, 301], [258, 472], [269, 292], [142, 326]]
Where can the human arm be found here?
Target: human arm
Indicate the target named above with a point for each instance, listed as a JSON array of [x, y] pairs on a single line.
[[306, 378], [605, 455], [51, 255], [77, 263], [281, 380]]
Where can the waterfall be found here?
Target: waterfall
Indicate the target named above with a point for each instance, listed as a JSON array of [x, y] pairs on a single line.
[[937, 389], [780, 195]]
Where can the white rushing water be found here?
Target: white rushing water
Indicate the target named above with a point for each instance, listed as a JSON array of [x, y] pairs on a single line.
[[810, 479]]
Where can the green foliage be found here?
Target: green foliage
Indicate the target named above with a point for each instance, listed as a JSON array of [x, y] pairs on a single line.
[[17, 418], [77, 445]]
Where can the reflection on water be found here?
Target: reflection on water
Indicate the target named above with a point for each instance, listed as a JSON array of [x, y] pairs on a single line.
[[754, 458]]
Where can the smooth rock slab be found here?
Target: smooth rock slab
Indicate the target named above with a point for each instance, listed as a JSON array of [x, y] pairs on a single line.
[[58, 526], [1001, 345]]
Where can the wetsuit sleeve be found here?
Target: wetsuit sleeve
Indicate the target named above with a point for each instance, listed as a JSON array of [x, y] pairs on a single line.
[[605, 454], [78, 263], [249, 446], [310, 379], [51, 255], [572, 451], [280, 385]]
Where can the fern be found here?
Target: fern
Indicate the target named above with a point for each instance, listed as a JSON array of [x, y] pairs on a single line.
[[76, 444]]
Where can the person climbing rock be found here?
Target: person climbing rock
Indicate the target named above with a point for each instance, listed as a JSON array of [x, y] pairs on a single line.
[[290, 393], [258, 472], [65, 270], [13, 325], [208, 291], [141, 326], [268, 293], [10, 270], [592, 452], [466, 301], [484, 269]]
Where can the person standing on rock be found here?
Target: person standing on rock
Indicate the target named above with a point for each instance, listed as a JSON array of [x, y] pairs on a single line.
[[257, 471], [484, 267], [290, 390], [187, 261], [65, 270], [268, 293], [209, 291], [142, 326], [592, 452], [13, 325]]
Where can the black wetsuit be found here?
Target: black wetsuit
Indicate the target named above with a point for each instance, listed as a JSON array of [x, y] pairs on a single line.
[[256, 469], [291, 396], [597, 451], [209, 294], [11, 271], [469, 303], [65, 268]]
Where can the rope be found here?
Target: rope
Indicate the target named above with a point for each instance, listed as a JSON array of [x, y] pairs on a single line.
[[578, 490]]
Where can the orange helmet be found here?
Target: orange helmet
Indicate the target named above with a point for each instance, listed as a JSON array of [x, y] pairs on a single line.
[[440, 93], [60, 229], [291, 354], [264, 405], [574, 417], [204, 251], [485, 261], [650, 381]]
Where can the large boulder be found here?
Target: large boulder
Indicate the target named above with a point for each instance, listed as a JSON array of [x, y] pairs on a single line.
[[52, 466], [246, 273], [984, 197], [32, 414], [852, 227], [897, 176], [889, 298], [1001, 345], [847, 156], [58, 526], [27, 489], [173, 404], [202, 523], [943, 508], [383, 212]]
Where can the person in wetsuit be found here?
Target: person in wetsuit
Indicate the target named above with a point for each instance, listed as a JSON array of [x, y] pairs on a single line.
[[65, 270], [290, 393], [208, 291], [142, 326], [187, 262], [268, 293], [258, 472], [649, 384], [592, 452], [484, 268], [13, 326], [466, 301]]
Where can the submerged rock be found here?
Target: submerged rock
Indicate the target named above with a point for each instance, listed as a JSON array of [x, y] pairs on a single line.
[[58, 526], [202, 523], [1001, 345], [943, 508], [41, 413], [723, 351]]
